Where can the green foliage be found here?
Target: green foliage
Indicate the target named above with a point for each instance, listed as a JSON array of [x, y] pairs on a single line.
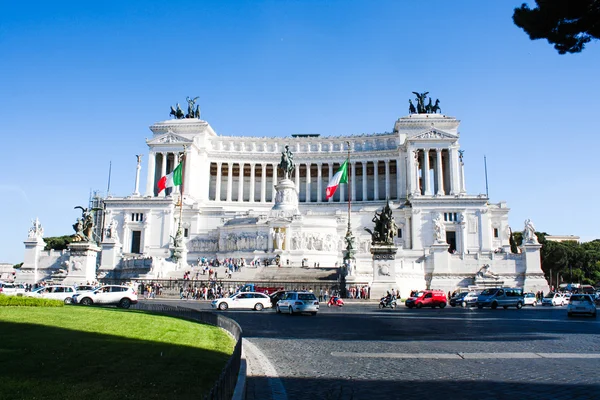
[[17, 266], [57, 242], [574, 262], [20, 301], [568, 24]]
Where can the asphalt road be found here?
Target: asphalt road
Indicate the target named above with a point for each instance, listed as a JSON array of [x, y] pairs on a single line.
[[361, 352]]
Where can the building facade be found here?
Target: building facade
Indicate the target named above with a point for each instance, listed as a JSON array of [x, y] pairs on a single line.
[[229, 191]]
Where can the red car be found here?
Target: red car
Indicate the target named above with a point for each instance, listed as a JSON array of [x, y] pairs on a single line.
[[427, 298]]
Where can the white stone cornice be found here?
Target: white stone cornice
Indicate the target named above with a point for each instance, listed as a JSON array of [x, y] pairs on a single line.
[[433, 133]]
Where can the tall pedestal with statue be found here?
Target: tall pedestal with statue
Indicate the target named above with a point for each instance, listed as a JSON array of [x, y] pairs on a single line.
[[384, 252]]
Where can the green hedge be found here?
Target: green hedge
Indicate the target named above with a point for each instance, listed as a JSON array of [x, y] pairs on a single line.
[[19, 301]]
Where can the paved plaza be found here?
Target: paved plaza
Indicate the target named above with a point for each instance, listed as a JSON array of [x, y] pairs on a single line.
[[360, 352]]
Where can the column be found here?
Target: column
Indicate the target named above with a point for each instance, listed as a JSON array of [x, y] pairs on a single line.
[[163, 172], [263, 184], [387, 179], [150, 184], [274, 182], [241, 183], [308, 183], [352, 180], [462, 178], [400, 185], [297, 176], [425, 174], [176, 160], [229, 180], [330, 165], [439, 172], [453, 170], [319, 183], [416, 174], [375, 180], [218, 182], [252, 182], [365, 197]]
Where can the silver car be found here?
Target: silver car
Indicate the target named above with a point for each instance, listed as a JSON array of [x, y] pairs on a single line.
[[298, 302]]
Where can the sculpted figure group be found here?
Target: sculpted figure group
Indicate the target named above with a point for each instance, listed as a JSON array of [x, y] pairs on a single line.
[[385, 227], [191, 113], [421, 107], [84, 226]]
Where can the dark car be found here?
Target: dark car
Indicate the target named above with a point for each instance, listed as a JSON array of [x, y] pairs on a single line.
[[457, 299], [276, 296]]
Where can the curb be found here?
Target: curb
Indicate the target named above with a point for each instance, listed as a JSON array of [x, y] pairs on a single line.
[[240, 387]]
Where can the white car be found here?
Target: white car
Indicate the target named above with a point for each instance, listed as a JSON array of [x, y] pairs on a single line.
[[12, 289], [54, 292], [529, 299], [246, 300], [117, 295], [554, 299], [581, 304], [298, 302]]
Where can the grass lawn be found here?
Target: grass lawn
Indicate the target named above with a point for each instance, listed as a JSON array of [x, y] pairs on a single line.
[[101, 353]]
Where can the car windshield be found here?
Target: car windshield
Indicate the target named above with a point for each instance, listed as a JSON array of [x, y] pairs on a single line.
[[576, 297], [419, 294], [489, 292], [306, 296]]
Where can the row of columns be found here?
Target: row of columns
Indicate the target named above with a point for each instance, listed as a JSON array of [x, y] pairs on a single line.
[[420, 181], [152, 179], [307, 184]]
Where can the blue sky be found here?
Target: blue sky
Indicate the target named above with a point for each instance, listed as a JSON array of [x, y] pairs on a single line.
[[80, 82]]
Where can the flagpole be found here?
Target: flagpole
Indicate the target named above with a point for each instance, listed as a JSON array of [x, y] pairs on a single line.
[[349, 186], [181, 187]]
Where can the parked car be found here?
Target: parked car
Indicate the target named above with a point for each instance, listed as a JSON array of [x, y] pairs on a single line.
[[529, 299], [85, 288], [243, 300], [581, 304], [503, 297], [298, 302], [63, 293], [427, 298], [554, 299], [12, 289], [464, 299], [118, 295]]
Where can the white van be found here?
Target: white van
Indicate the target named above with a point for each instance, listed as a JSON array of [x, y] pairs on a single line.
[[12, 289]]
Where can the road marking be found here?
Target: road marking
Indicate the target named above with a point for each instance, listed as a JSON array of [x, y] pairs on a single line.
[[466, 356], [254, 354]]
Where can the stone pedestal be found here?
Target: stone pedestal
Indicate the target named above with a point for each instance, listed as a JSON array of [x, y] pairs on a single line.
[[286, 201], [29, 272], [384, 269], [82, 263], [440, 265], [533, 276]]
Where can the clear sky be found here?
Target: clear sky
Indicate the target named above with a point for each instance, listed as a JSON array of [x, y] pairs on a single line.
[[81, 82]]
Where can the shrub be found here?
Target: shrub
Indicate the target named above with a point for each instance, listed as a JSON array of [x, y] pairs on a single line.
[[19, 301]]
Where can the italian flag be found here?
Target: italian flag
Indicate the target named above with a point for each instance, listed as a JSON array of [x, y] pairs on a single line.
[[172, 179], [341, 176]]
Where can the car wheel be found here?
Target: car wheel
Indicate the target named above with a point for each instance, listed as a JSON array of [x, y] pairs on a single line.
[[223, 306], [464, 304], [68, 300], [519, 305], [442, 305], [291, 310], [393, 305], [534, 303], [258, 307], [479, 306], [494, 305], [452, 305], [505, 307], [125, 303], [277, 310], [410, 306], [419, 305], [380, 306], [86, 301]]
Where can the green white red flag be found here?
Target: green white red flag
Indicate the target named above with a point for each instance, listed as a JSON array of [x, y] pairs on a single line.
[[172, 179], [341, 176]]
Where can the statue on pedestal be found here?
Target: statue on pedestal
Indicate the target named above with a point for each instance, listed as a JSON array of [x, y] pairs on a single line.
[[84, 227], [439, 230], [529, 235], [36, 229], [287, 162], [385, 227]]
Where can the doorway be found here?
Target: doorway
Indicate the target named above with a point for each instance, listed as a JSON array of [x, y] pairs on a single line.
[[136, 237]]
